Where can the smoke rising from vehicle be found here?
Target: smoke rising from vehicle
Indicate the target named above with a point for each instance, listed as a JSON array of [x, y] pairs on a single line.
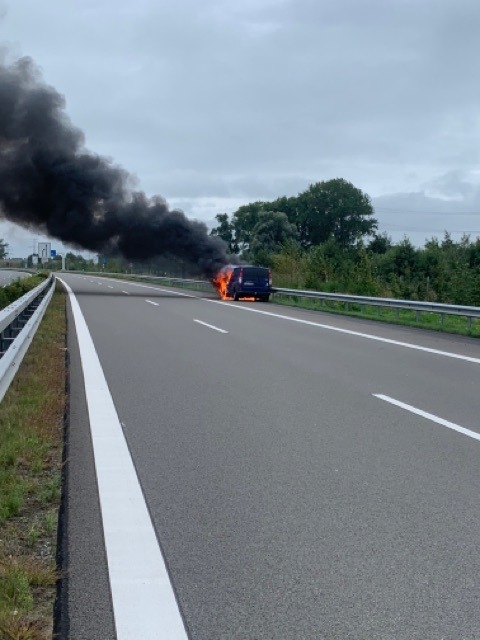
[[51, 183]]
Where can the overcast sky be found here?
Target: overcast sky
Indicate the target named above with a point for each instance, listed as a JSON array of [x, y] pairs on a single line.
[[216, 103]]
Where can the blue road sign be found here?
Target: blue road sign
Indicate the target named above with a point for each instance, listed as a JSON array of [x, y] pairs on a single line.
[[53, 253]]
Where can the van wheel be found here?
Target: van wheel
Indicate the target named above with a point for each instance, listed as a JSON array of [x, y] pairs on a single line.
[[266, 298]]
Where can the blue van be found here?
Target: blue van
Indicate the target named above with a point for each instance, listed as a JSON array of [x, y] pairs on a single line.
[[245, 281]]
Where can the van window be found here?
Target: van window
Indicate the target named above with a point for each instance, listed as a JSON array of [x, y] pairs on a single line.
[[254, 273]]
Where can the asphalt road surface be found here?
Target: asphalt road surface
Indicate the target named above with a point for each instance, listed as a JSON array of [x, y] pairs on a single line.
[[7, 277], [308, 476]]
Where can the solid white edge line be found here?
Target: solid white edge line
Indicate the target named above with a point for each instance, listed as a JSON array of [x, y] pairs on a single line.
[[429, 416], [151, 302], [368, 336], [126, 292], [144, 603], [210, 326]]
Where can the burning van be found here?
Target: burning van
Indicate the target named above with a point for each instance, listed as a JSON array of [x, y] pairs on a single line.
[[243, 281]]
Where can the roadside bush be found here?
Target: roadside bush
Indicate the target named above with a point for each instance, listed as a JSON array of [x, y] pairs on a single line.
[[18, 288]]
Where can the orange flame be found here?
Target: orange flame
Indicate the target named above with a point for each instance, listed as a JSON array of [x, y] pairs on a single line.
[[221, 280]]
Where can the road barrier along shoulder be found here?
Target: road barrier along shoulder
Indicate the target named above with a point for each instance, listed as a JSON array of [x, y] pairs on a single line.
[[18, 325]]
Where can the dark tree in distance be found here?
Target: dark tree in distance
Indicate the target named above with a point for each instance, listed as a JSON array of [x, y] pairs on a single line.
[[270, 234], [226, 232], [334, 209]]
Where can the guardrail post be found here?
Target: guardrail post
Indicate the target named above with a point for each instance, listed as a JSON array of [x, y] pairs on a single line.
[[397, 313], [417, 315], [469, 323]]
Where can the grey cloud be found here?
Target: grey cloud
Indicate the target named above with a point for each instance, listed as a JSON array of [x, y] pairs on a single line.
[[227, 101], [448, 203]]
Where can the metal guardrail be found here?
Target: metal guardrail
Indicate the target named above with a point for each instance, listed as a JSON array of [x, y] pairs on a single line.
[[345, 298], [392, 303], [18, 325]]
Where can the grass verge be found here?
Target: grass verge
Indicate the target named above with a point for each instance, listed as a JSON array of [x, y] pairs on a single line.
[[424, 320], [32, 418]]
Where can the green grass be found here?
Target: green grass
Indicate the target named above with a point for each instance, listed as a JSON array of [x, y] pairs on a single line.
[[15, 592], [31, 440]]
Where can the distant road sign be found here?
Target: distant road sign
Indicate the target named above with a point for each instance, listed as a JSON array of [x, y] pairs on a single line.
[[53, 253], [44, 251]]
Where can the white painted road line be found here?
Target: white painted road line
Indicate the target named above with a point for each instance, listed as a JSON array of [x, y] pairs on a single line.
[[151, 302], [144, 603], [429, 416], [177, 293], [109, 286], [147, 286], [368, 336], [126, 293], [210, 326]]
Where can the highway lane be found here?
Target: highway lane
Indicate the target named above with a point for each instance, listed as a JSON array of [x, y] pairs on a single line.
[[7, 277], [289, 501]]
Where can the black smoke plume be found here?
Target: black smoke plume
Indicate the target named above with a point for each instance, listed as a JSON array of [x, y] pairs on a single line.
[[50, 182]]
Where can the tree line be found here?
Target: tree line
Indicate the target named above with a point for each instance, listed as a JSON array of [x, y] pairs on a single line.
[[327, 238]]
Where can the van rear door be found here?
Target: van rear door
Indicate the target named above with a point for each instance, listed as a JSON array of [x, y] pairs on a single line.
[[255, 280]]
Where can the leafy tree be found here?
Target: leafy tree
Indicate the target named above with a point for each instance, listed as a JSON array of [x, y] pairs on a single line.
[[290, 265], [3, 249], [380, 243], [474, 254], [244, 221], [321, 265], [334, 209], [447, 242], [270, 233], [226, 231], [288, 206]]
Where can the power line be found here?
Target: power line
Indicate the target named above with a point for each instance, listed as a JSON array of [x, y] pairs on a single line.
[[430, 230], [432, 213]]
